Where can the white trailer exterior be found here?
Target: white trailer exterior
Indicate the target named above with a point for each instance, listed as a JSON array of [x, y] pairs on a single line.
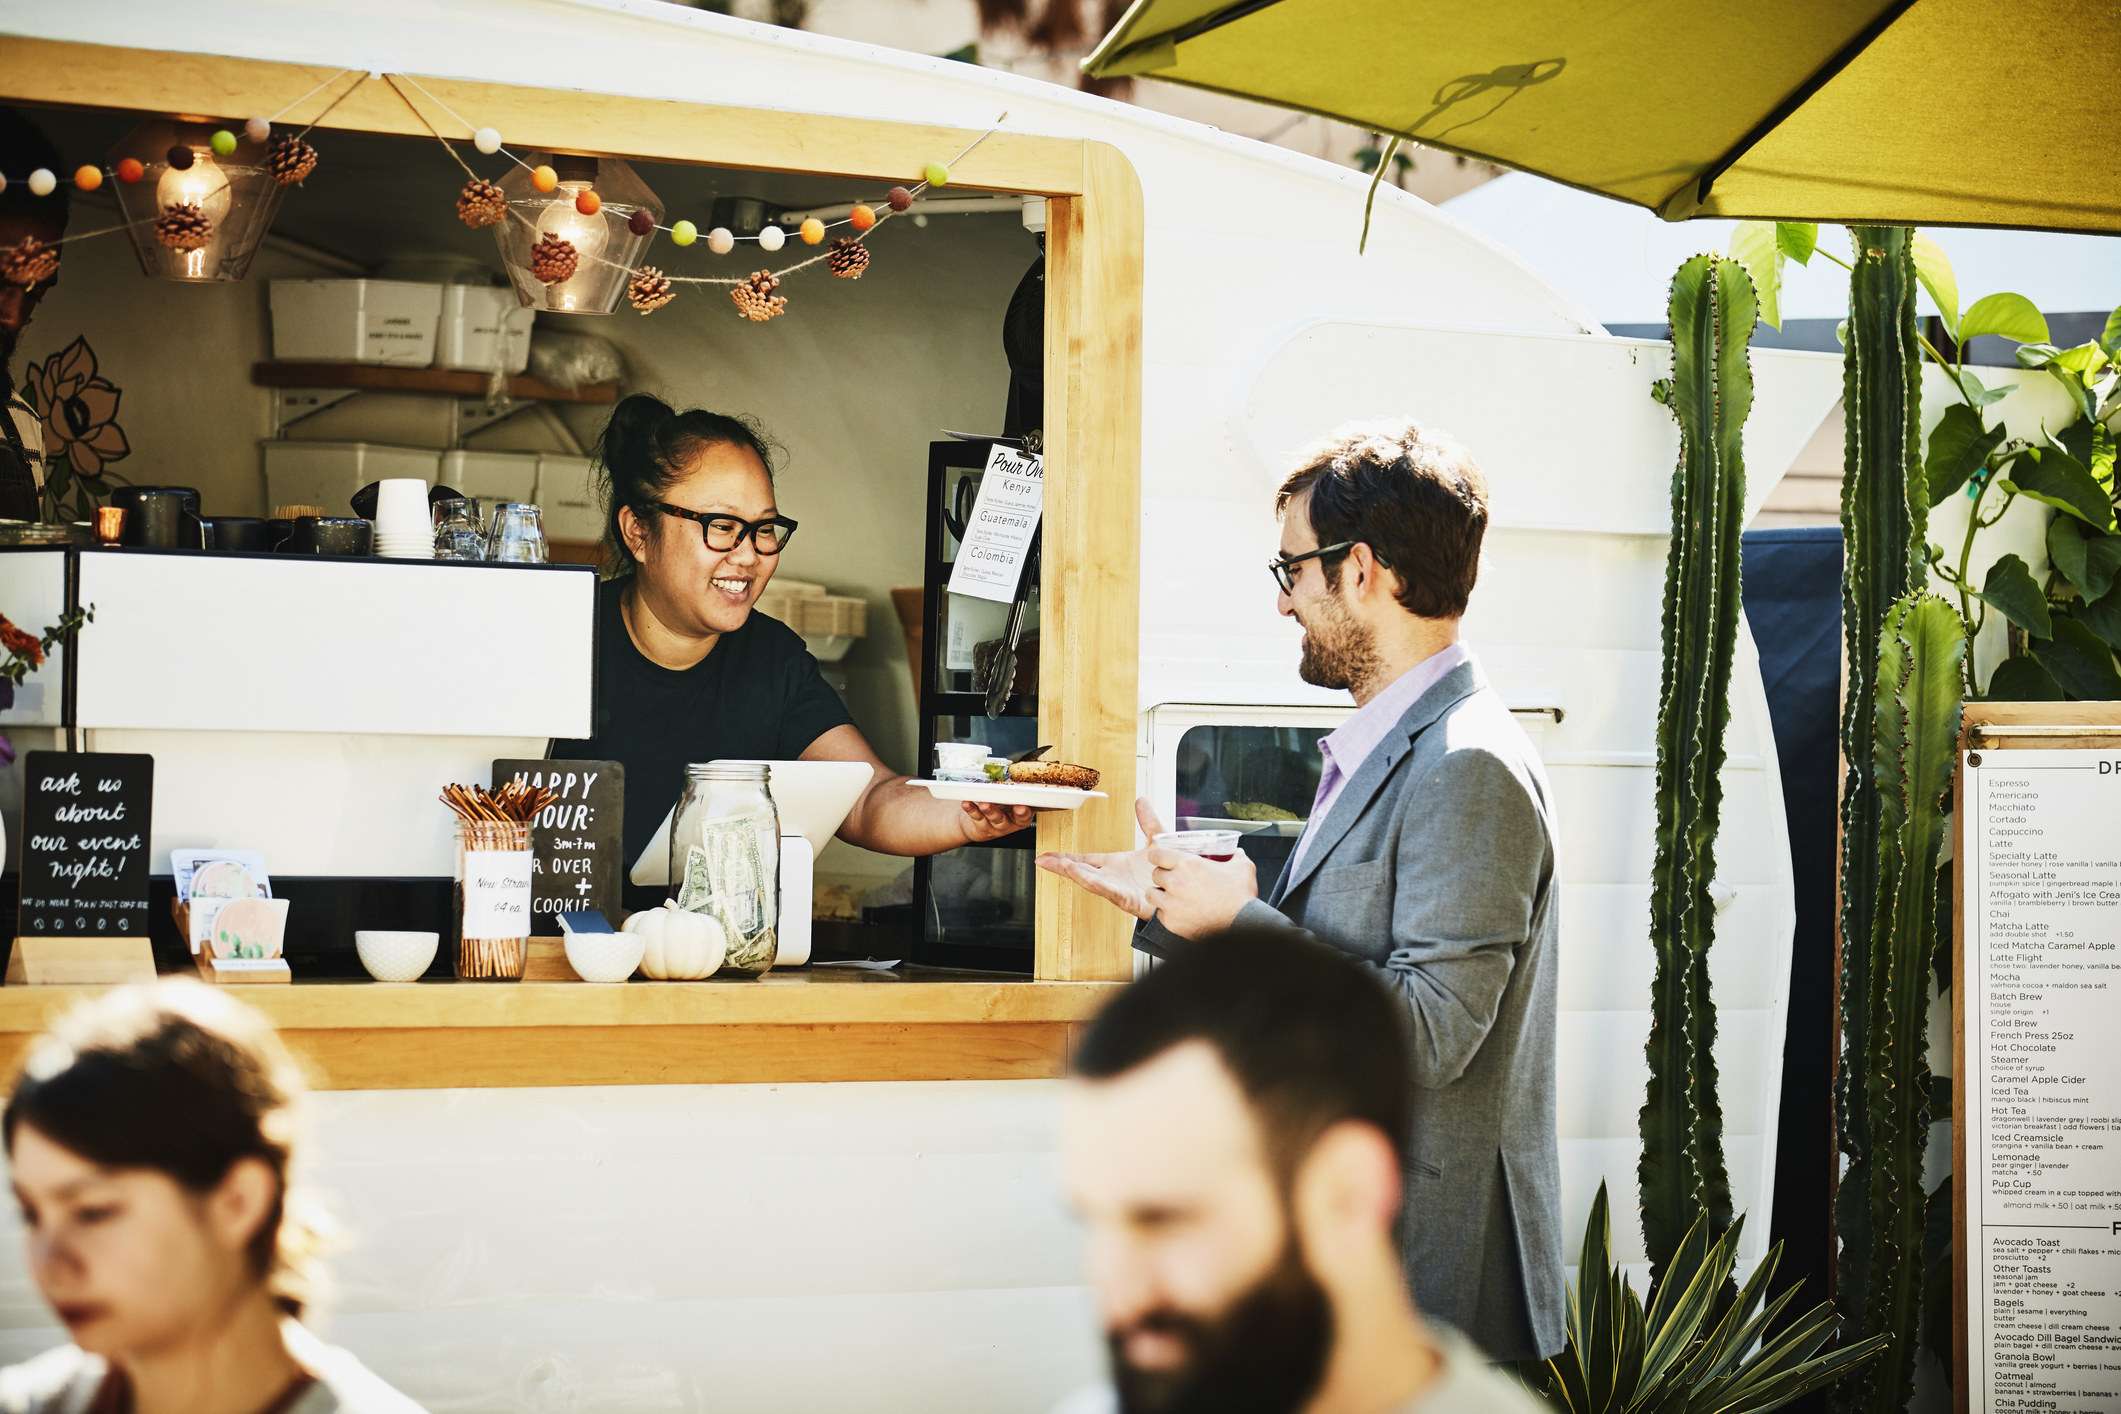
[[904, 1246]]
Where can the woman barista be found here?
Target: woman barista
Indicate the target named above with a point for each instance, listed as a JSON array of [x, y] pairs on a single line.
[[687, 672]]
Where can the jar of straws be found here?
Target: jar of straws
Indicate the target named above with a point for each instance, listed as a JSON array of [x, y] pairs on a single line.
[[492, 914]]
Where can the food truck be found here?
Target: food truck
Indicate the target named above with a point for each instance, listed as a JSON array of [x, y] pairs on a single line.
[[828, 1187]]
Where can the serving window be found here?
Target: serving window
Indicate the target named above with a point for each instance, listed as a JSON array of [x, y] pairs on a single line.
[[855, 379]]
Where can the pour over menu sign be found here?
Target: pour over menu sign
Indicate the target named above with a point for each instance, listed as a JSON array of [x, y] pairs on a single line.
[[85, 818], [575, 842]]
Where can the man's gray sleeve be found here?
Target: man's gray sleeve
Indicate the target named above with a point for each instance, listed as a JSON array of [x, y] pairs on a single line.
[[1465, 881]]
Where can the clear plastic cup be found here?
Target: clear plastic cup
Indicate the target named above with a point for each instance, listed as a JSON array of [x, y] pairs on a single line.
[[1219, 845]]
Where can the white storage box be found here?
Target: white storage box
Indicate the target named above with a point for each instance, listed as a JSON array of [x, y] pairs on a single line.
[[326, 474], [567, 493], [355, 321], [492, 476], [483, 329]]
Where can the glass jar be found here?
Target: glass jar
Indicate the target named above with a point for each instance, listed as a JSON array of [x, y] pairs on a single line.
[[457, 532], [725, 858], [493, 900]]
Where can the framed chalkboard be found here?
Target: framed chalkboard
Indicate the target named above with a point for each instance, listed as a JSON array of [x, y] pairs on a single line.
[[85, 820], [575, 842]]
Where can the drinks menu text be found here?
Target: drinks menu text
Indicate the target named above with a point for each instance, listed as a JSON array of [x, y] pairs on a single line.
[[2041, 1097]]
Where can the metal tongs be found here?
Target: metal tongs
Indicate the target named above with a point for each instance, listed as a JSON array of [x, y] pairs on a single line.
[[1001, 673]]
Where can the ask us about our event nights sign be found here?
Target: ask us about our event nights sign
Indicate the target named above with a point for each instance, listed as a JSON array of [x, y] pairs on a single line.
[[85, 818]]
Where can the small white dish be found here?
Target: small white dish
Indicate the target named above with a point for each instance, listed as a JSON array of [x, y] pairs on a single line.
[[605, 957], [960, 760], [396, 956]]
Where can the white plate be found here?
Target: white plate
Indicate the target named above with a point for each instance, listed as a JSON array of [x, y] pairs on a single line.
[[1011, 793]]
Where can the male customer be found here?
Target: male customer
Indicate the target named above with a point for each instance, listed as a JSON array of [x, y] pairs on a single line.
[[1429, 854], [1231, 1142], [23, 215]]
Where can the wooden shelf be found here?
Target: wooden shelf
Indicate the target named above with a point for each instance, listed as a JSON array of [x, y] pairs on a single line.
[[447, 382], [791, 1026]]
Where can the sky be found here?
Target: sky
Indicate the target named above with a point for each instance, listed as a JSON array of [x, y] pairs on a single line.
[[1617, 260]]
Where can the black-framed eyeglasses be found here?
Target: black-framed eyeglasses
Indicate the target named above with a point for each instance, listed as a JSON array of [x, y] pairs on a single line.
[[769, 536], [1283, 567]]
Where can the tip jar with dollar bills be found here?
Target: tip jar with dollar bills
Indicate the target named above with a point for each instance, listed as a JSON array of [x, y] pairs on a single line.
[[725, 858]]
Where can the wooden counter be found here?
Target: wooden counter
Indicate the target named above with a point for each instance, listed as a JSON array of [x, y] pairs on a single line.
[[795, 1025]]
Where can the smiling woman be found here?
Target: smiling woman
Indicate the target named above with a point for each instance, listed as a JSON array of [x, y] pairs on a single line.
[[688, 670]]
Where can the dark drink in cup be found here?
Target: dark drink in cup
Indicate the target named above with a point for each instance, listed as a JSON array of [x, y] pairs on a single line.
[[1218, 845]]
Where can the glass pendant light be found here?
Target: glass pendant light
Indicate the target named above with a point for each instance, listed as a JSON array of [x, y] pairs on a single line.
[[235, 194], [607, 249]]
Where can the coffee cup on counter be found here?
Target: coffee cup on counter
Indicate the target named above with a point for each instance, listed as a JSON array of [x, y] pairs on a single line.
[[329, 535], [240, 533], [160, 517]]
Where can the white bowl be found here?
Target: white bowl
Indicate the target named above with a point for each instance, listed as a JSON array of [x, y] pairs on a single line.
[[605, 957], [396, 957]]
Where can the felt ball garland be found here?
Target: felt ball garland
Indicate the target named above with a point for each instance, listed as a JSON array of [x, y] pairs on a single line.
[[553, 259], [290, 159]]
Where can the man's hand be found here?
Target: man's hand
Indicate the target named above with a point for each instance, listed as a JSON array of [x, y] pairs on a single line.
[[982, 821], [1193, 896], [1123, 877]]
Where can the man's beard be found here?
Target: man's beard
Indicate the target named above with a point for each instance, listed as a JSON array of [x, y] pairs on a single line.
[[1339, 652], [1265, 1354]]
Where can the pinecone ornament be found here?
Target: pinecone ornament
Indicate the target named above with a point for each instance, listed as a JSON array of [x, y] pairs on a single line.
[[481, 203], [848, 259], [553, 260], [29, 262], [184, 226], [756, 300], [290, 160], [649, 289]]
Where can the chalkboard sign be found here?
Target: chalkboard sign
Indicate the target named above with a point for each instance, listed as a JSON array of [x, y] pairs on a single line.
[[85, 819], [576, 842]]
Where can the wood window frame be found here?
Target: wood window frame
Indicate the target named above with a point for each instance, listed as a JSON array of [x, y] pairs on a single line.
[[1090, 589]]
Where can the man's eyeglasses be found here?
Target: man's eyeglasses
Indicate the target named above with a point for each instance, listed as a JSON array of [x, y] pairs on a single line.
[[769, 536], [1284, 567]]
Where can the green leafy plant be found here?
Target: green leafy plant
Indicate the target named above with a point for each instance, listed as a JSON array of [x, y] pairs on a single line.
[[1916, 708], [1683, 1176], [1702, 1345], [2067, 626]]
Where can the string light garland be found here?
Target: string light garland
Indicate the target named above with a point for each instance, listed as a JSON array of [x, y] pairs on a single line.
[[187, 226], [482, 203], [184, 226]]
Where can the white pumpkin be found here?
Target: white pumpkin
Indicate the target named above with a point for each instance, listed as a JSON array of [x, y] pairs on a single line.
[[681, 946]]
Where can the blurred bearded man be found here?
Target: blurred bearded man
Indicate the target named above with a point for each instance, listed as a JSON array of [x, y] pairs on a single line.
[[1230, 1141], [1428, 855]]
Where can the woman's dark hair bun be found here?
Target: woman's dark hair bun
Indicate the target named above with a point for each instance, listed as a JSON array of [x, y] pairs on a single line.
[[630, 434], [644, 450]]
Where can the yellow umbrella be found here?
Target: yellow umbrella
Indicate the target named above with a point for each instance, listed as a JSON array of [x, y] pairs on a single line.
[[1907, 112]]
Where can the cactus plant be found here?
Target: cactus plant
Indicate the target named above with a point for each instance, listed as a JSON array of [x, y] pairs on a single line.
[[1683, 1176], [1916, 706], [1884, 521]]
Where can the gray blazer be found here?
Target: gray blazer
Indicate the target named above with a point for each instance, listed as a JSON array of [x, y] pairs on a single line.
[[1435, 865]]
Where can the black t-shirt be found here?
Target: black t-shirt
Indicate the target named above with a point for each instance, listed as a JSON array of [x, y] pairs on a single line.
[[757, 696]]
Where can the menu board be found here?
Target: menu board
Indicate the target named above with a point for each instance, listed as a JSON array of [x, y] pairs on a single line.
[[85, 818], [576, 843], [997, 542], [2041, 1085]]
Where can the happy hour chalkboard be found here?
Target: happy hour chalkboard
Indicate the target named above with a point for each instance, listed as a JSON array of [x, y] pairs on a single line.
[[85, 818], [575, 842]]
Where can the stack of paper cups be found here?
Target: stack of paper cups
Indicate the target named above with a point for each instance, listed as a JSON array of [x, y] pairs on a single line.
[[404, 528]]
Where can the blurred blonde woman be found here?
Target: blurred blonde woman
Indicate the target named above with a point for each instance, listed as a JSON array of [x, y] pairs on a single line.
[[150, 1138]]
